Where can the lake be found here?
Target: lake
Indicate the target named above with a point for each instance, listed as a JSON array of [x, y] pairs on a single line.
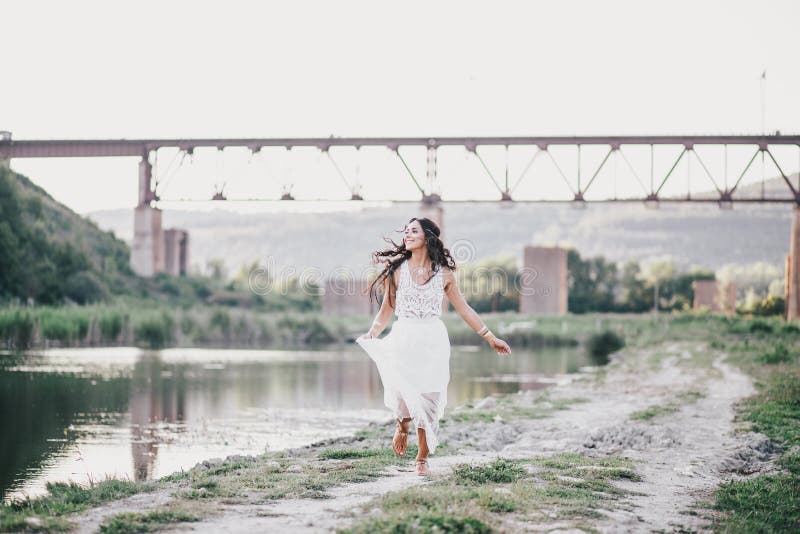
[[84, 414]]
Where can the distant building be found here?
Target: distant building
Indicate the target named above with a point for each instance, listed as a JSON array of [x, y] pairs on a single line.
[[176, 251], [714, 296], [156, 250], [543, 281], [343, 296]]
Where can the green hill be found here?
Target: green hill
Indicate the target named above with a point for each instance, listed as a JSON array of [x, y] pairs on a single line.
[[50, 254]]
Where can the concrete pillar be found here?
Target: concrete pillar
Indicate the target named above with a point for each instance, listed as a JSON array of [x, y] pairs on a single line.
[[793, 269], [787, 290], [544, 281], [434, 212], [147, 251], [345, 296], [145, 181], [430, 175], [176, 251], [714, 296], [5, 163]]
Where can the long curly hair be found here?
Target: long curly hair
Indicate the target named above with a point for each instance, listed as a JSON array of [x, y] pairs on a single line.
[[394, 256]]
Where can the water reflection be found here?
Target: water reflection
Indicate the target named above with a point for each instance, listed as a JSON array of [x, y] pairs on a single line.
[[87, 413]]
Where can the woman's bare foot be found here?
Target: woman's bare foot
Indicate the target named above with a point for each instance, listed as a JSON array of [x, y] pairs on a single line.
[[400, 441], [423, 469]]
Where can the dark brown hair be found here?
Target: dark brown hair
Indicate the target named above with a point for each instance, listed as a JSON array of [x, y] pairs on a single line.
[[394, 256]]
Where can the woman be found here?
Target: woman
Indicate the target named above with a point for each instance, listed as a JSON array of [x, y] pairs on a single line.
[[414, 358]]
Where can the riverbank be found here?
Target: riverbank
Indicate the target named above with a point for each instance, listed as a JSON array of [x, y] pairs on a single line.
[[136, 323], [688, 427]]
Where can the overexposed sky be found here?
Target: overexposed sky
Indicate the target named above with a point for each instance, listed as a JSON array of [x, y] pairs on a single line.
[[275, 69]]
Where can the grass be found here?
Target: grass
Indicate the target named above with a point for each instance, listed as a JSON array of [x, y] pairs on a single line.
[[540, 406], [275, 476], [481, 497], [47, 512], [771, 502], [499, 471], [133, 522], [651, 412]]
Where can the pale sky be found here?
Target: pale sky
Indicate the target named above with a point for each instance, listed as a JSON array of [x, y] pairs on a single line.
[[275, 69]]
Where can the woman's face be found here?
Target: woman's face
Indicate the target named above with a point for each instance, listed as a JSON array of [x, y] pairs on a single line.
[[414, 237]]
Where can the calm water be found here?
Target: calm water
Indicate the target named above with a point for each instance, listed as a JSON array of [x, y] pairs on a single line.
[[83, 414]]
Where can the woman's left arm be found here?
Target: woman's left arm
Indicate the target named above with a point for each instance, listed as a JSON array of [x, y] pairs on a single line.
[[469, 315]]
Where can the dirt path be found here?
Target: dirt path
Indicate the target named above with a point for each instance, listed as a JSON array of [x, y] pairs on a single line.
[[685, 449]]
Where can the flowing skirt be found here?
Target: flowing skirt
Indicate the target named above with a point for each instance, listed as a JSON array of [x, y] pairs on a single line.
[[413, 361]]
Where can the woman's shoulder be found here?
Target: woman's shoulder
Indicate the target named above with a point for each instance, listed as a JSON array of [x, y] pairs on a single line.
[[447, 272]]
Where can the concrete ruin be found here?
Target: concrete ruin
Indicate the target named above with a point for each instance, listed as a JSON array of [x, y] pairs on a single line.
[[155, 250], [176, 251], [348, 297], [714, 296], [543, 281]]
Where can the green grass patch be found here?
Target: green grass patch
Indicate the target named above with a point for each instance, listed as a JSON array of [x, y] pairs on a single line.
[[762, 504], [540, 407], [133, 522], [499, 471], [421, 523], [651, 412], [776, 410], [767, 350], [62, 498], [279, 476], [570, 487], [778, 354], [343, 454]]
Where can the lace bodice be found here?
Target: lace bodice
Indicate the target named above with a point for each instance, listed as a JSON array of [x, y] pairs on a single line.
[[422, 301]]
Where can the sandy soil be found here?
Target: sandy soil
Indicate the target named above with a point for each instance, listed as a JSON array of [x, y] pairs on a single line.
[[681, 455]]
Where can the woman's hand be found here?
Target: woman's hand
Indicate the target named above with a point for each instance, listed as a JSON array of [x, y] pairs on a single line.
[[370, 334], [500, 346]]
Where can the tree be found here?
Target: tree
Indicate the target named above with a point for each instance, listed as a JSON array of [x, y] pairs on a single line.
[[635, 296], [592, 283], [656, 272]]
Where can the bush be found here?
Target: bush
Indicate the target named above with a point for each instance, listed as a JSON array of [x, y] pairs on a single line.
[[599, 346], [760, 326], [156, 332], [769, 305], [779, 354], [85, 287]]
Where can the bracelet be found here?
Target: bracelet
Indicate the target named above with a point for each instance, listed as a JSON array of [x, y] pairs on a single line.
[[483, 330]]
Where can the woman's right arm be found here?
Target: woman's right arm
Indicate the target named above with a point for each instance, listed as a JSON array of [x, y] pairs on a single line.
[[384, 314]]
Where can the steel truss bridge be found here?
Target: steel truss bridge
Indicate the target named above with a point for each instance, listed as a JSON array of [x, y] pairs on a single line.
[[614, 147]]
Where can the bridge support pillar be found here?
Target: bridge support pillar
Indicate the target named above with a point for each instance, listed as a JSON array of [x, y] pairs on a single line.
[[147, 250], [544, 281], [793, 269]]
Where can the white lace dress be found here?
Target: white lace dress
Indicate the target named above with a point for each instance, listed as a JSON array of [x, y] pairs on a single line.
[[414, 358]]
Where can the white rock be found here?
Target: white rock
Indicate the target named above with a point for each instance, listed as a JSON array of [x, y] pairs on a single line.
[[485, 404]]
